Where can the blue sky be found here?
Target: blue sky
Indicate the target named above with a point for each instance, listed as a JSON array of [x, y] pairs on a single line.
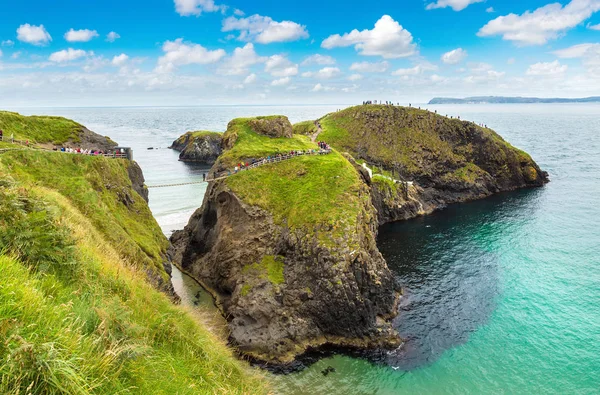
[[193, 52]]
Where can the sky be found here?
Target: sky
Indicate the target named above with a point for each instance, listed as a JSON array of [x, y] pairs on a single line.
[[230, 52]]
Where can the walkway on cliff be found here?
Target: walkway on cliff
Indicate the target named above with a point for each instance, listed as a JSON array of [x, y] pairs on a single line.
[[261, 162]]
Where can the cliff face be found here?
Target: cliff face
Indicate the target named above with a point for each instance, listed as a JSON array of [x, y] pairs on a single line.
[[289, 251], [445, 160], [199, 147]]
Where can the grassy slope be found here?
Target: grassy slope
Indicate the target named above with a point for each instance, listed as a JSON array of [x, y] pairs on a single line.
[[76, 310], [39, 129], [311, 192], [253, 145], [305, 128], [406, 136]]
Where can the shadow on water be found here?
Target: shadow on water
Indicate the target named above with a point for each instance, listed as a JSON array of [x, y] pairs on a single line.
[[449, 271]]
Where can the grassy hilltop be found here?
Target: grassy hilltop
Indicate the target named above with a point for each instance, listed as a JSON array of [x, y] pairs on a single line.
[[81, 258], [307, 192], [429, 148]]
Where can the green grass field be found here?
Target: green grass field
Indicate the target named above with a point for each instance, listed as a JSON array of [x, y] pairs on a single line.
[[39, 129]]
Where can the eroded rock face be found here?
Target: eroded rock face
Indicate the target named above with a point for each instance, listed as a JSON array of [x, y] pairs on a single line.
[[275, 126], [134, 171], [283, 291], [199, 147]]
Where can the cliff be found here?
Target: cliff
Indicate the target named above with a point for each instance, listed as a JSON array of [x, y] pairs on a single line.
[[85, 297], [50, 131], [289, 250], [511, 100], [199, 147], [443, 160]]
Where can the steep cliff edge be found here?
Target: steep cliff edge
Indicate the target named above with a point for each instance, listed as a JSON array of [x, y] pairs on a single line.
[[444, 160], [85, 302], [288, 249], [199, 147]]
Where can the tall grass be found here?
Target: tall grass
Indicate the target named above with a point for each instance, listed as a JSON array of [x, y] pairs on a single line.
[[77, 316]]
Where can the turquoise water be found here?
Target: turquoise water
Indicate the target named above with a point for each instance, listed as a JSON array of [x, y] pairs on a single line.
[[501, 295]]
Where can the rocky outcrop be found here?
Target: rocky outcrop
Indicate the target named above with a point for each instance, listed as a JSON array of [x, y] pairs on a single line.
[[286, 287], [273, 126], [91, 140], [284, 290], [199, 147], [134, 171], [445, 160]]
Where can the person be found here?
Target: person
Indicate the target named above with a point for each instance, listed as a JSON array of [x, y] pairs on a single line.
[[203, 176], [1, 135]]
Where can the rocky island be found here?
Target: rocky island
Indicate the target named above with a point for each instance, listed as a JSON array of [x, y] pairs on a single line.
[[199, 147], [288, 249]]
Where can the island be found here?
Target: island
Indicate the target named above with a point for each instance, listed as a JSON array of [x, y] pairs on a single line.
[[202, 147], [510, 100], [285, 239]]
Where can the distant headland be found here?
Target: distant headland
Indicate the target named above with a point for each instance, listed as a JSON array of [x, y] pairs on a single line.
[[510, 100]]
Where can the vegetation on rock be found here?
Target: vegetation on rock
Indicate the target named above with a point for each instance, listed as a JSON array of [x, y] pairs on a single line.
[[199, 147]]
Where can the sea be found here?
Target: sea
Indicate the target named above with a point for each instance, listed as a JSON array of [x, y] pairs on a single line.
[[501, 296]]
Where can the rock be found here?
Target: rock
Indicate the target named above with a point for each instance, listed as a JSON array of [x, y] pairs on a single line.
[[273, 126], [199, 147], [137, 179]]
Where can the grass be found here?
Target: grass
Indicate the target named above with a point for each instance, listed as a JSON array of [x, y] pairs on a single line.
[[77, 315], [305, 128], [420, 144], [310, 192], [249, 144], [98, 187], [39, 129]]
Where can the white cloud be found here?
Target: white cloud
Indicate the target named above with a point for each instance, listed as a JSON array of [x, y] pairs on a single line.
[[195, 7], [593, 27], [36, 35], [547, 69], [80, 36], [280, 66], [238, 12], [15, 55], [323, 60], [8, 43], [317, 88], [368, 67], [355, 77], [437, 79], [67, 55], [281, 81], [1, 53], [120, 60], [241, 59], [480, 67], [576, 51], [543, 24], [455, 56], [325, 73], [490, 10], [250, 79], [112, 37], [264, 30], [387, 39], [511, 61], [418, 69], [456, 5], [411, 71], [178, 53]]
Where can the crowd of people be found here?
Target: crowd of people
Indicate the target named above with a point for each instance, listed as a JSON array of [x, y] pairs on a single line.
[[380, 102], [94, 152]]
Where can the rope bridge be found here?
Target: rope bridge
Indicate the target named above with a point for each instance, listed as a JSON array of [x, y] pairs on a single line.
[[262, 162]]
